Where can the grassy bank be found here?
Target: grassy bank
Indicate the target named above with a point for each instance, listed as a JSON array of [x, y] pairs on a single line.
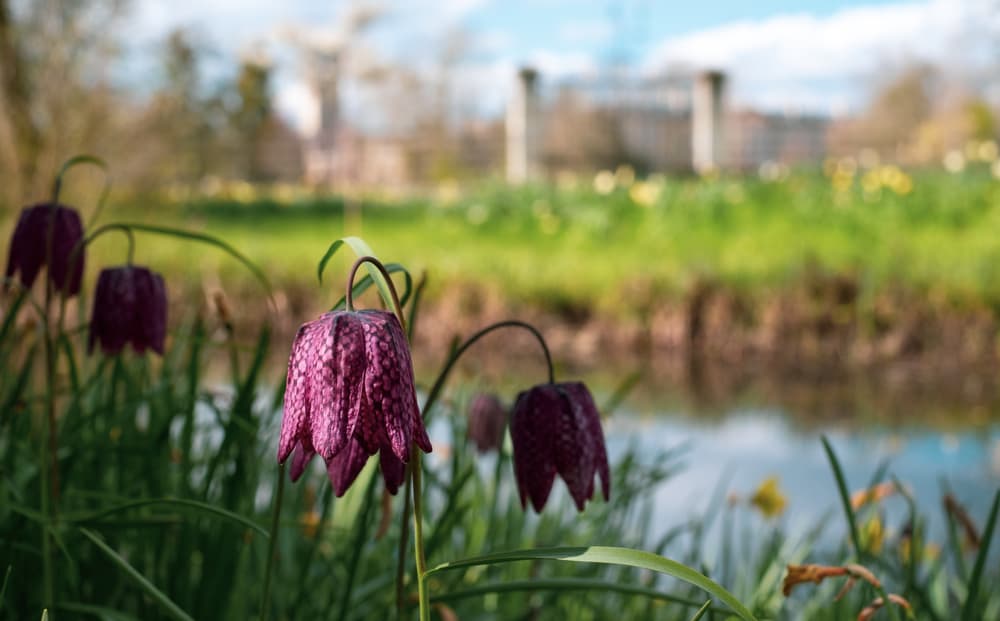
[[937, 234]]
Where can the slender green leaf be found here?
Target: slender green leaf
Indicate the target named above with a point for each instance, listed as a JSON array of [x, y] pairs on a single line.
[[206, 239], [968, 610], [845, 496], [174, 502], [701, 611], [101, 612], [6, 579], [567, 584], [168, 606], [609, 556]]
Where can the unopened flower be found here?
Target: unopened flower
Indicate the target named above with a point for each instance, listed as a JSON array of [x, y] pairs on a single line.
[[130, 306], [349, 394], [555, 428], [29, 246], [487, 419]]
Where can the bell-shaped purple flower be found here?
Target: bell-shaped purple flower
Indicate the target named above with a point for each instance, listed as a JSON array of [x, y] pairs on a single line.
[[555, 428], [487, 420], [130, 306], [349, 394], [29, 244]]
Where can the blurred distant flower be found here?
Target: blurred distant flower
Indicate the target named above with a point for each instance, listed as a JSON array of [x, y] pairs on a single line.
[[875, 494], [769, 499], [604, 182], [996, 169], [29, 243], [954, 161], [644, 193], [555, 428], [130, 306], [988, 151], [624, 176], [487, 420], [349, 395]]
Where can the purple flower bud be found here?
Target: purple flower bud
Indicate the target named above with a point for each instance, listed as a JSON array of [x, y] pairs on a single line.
[[487, 419], [28, 246], [130, 306], [555, 428], [349, 394]]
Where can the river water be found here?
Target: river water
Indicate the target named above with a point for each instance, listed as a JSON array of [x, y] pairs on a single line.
[[735, 452]]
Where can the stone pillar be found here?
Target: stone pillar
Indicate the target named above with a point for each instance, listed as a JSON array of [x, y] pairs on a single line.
[[522, 128], [707, 114]]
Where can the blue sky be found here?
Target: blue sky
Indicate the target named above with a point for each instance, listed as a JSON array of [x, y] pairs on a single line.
[[820, 56]]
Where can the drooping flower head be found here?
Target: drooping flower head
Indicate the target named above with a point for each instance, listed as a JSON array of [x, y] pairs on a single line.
[[130, 306], [487, 419], [555, 428], [29, 246], [349, 394]]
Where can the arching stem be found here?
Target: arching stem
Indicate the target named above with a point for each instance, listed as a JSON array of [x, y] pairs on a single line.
[[397, 309], [76, 161], [435, 390]]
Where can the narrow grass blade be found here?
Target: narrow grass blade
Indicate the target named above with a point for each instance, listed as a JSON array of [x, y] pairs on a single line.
[[6, 579], [569, 584], [968, 611], [174, 502], [168, 606], [701, 611], [206, 239], [100, 612], [609, 556], [845, 496]]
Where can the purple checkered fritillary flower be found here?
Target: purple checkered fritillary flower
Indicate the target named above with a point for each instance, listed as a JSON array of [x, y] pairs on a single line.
[[349, 394], [130, 306], [29, 243], [555, 428]]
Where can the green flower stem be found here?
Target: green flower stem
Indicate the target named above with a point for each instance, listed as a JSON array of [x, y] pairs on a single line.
[[273, 548], [435, 391], [349, 297], [418, 538], [76, 161]]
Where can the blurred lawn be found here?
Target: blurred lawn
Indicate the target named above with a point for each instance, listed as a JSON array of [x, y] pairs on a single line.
[[600, 242]]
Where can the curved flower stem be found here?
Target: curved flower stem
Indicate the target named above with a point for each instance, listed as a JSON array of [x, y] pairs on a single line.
[[349, 298], [76, 161], [273, 547], [435, 391], [418, 538]]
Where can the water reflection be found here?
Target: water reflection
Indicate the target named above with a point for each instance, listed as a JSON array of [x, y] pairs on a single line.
[[741, 449]]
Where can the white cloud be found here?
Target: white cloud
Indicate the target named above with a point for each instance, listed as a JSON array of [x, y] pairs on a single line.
[[797, 57]]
